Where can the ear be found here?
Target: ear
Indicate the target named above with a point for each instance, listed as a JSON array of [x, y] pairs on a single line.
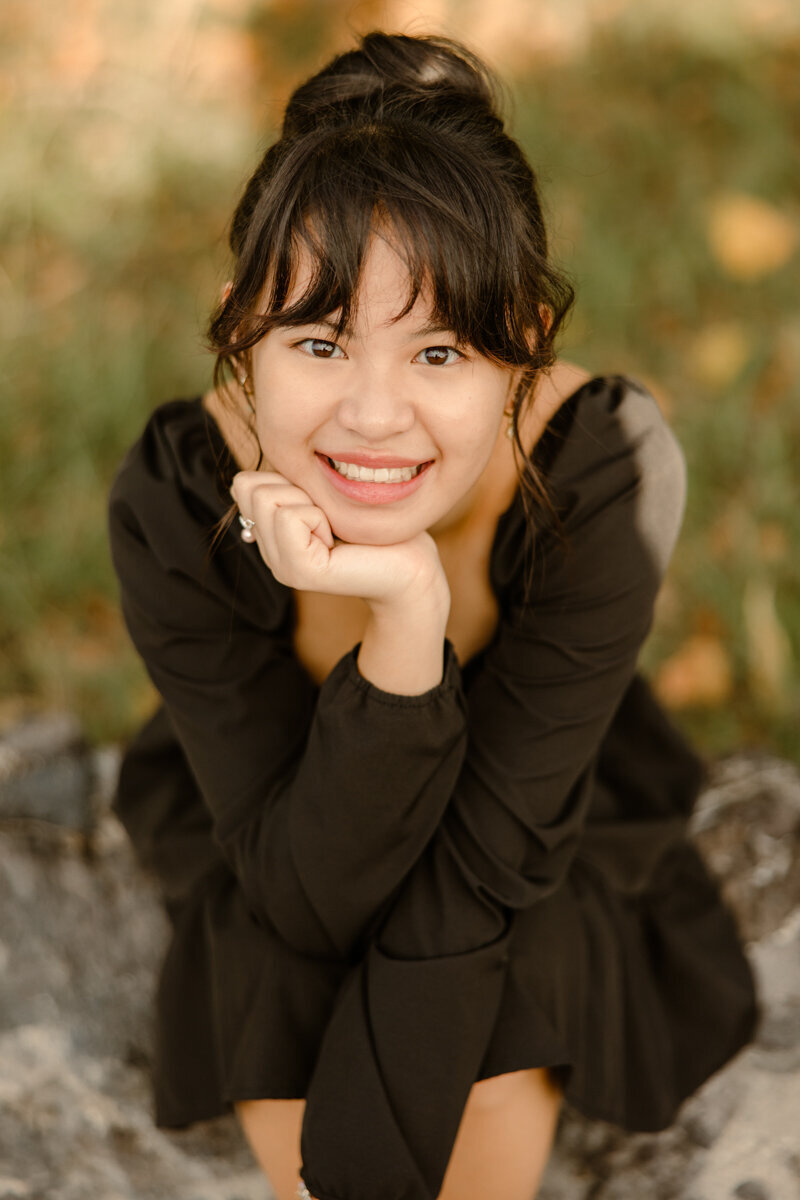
[[227, 288]]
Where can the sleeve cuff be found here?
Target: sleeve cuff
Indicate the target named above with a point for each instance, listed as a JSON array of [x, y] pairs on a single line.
[[347, 668]]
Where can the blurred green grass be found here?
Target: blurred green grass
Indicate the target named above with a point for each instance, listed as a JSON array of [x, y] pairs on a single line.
[[112, 249]]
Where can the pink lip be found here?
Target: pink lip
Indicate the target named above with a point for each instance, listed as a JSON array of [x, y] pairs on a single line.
[[371, 493], [376, 460]]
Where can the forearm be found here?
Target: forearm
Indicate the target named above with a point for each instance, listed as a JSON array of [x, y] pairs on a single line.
[[327, 845]]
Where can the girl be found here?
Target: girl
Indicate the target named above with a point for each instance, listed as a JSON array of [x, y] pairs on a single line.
[[419, 823]]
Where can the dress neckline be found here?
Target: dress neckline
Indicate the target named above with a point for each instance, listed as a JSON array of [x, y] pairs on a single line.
[[510, 554]]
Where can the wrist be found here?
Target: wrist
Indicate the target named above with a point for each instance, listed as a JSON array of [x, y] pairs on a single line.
[[403, 651], [424, 601]]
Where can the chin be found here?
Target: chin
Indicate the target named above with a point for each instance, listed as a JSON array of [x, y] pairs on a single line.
[[374, 533]]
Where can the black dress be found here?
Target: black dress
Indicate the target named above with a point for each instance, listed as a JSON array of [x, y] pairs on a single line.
[[379, 899]]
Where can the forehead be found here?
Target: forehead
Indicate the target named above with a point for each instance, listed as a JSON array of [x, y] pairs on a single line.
[[385, 283]]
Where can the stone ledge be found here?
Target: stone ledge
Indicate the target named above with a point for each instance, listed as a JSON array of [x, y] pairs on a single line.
[[83, 934]]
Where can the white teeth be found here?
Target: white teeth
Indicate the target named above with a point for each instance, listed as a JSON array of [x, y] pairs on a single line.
[[379, 475]]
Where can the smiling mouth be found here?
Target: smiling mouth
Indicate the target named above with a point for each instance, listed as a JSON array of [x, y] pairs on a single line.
[[374, 475]]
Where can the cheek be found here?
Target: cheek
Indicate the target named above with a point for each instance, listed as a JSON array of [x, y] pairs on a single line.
[[286, 410], [481, 405], [473, 432]]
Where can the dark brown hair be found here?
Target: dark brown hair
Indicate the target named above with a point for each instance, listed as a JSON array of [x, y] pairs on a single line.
[[405, 132]]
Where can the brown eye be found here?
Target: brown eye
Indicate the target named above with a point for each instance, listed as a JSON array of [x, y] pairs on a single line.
[[436, 356], [318, 348]]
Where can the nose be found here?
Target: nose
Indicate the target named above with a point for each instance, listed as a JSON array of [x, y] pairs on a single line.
[[376, 406]]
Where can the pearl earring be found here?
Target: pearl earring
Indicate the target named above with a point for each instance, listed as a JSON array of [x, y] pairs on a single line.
[[247, 525]]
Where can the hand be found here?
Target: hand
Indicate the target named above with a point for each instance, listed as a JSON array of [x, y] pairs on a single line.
[[296, 542]]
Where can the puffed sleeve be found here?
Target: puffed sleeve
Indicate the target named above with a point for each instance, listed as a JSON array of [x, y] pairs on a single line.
[[414, 1019], [302, 783]]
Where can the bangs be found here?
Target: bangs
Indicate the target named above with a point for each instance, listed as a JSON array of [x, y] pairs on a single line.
[[447, 222]]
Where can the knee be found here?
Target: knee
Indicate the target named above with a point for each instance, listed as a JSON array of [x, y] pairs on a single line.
[[489, 1094], [499, 1091]]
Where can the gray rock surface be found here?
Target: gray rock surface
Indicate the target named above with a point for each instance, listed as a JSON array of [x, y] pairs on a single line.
[[46, 771], [82, 934]]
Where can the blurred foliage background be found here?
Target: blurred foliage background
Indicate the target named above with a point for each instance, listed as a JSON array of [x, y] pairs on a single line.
[[666, 137]]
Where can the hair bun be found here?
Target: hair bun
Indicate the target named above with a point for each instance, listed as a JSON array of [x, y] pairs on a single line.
[[385, 62]]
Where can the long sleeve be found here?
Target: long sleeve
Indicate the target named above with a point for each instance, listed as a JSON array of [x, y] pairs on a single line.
[[301, 782], [421, 1005], [550, 685]]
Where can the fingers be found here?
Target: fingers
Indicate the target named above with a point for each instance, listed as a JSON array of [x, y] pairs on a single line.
[[298, 525], [258, 492], [247, 484], [293, 534], [296, 542]]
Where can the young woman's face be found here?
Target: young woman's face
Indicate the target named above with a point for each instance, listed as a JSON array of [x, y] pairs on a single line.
[[409, 419]]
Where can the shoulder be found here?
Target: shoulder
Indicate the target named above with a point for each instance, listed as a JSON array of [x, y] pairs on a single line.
[[163, 501], [624, 420], [165, 506], [612, 422], [613, 470], [569, 397], [176, 445], [552, 390], [613, 462], [169, 479], [593, 436]]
